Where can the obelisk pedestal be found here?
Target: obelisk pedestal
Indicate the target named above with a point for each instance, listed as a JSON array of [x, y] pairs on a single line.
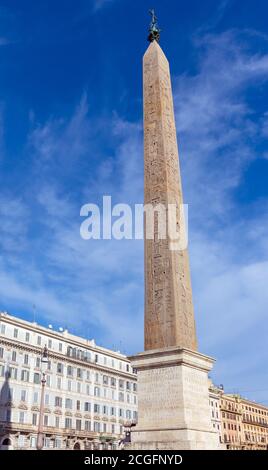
[[173, 402], [173, 405]]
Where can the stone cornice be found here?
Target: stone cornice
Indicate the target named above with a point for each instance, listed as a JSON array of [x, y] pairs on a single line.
[[67, 359]]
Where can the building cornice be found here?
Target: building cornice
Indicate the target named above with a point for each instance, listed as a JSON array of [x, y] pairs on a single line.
[[67, 359]]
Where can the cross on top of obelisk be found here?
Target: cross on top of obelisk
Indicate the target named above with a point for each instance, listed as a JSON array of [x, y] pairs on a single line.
[[154, 31]]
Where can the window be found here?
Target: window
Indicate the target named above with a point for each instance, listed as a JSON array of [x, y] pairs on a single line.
[[113, 412], [34, 419], [58, 402], [97, 391], [27, 336], [57, 444], [128, 414], [78, 425], [127, 367], [105, 409], [46, 420], [87, 425], [48, 365], [121, 396], [96, 408], [47, 442], [2, 370], [35, 397], [121, 413], [78, 387], [113, 382], [88, 375], [96, 358], [57, 422], [26, 359], [37, 362], [79, 373], [49, 344], [87, 406], [97, 377], [105, 379], [68, 423], [78, 405], [23, 395], [59, 383], [104, 427], [96, 426], [60, 347], [25, 375], [68, 403], [36, 378], [48, 380], [46, 399], [21, 417], [1, 353], [15, 332], [113, 428], [39, 340], [70, 371], [14, 356], [69, 385], [128, 386], [88, 390], [8, 415], [33, 442], [60, 368], [3, 329], [121, 384]]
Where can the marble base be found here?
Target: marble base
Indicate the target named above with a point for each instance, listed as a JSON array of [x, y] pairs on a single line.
[[173, 401]]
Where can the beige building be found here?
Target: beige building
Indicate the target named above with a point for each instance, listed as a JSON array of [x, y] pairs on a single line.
[[90, 391], [254, 425], [231, 427], [243, 424]]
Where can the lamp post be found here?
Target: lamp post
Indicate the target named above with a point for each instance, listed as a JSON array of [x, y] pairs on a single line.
[[40, 434]]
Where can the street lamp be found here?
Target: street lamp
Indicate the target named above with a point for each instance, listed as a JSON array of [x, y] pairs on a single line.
[[40, 434]]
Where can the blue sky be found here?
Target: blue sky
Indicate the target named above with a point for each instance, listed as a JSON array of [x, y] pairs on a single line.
[[71, 131]]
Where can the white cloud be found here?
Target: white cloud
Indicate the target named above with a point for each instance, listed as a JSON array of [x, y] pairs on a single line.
[[218, 132], [100, 284], [98, 4]]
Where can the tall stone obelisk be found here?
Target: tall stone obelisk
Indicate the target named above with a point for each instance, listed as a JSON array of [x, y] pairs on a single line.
[[173, 403], [169, 315]]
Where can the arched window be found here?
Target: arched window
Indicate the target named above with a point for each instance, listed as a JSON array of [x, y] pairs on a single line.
[[6, 442]]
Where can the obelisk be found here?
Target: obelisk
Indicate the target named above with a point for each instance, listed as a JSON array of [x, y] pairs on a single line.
[[173, 403], [169, 315]]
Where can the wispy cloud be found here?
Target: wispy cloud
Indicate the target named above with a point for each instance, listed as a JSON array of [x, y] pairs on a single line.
[[218, 136], [98, 4], [93, 286], [4, 41]]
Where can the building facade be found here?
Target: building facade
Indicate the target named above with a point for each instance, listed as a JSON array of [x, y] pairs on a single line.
[[90, 392], [242, 424], [214, 405]]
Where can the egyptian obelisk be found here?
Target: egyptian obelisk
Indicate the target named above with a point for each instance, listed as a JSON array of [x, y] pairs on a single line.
[[173, 403]]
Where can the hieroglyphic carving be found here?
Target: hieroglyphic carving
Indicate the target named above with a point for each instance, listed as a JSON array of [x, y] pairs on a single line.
[[169, 316]]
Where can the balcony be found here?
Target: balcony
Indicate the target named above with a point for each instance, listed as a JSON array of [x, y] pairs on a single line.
[[254, 423]]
